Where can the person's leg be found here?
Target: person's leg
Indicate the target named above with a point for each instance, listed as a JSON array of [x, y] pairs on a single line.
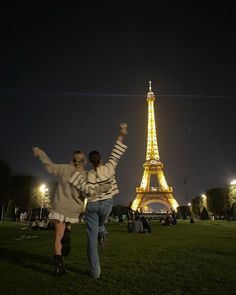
[[91, 218], [66, 240], [58, 258], [105, 208], [59, 232]]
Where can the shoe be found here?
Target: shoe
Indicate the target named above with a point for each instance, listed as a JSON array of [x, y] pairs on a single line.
[[95, 277], [102, 237], [60, 268]]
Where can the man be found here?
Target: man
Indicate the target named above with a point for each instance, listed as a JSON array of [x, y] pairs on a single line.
[[100, 187], [67, 203]]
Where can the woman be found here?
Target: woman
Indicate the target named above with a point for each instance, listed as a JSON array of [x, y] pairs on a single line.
[[67, 203], [100, 185]]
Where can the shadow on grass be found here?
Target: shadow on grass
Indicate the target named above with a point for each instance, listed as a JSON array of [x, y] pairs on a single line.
[[33, 261]]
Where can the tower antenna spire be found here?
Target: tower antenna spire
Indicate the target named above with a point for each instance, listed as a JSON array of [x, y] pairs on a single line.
[[150, 86]]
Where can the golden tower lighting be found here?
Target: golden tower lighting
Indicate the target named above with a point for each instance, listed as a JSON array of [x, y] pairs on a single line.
[[162, 193]]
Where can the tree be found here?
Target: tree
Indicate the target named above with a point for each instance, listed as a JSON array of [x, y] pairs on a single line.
[[197, 205], [183, 211], [5, 181], [36, 198], [218, 201], [233, 210], [41, 198], [232, 194], [204, 214], [10, 212], [21, 190]]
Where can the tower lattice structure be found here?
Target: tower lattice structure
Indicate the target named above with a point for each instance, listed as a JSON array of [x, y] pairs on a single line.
[[145, 193]]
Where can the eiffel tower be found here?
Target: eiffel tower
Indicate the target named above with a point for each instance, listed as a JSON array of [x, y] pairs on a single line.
[[145, 193]]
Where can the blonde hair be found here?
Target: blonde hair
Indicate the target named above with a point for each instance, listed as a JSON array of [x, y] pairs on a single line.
[[83, 156]]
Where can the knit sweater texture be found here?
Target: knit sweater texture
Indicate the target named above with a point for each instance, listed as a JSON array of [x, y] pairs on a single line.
[[67, 200]]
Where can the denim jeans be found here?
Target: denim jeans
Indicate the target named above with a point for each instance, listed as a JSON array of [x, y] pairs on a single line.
[[95, 215]]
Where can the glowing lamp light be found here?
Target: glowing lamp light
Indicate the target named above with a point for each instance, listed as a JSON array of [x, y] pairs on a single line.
[[233, 182], [43, 188], [203, 196]]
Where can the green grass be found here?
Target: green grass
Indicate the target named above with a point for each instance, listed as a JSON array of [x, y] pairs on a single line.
[[193, 259]]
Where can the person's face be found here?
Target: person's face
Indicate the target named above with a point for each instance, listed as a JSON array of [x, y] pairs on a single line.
[[78, 160]]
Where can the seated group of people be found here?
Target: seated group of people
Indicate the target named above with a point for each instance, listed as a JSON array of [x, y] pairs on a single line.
[[139, 225], [40, 224], [170, 219]]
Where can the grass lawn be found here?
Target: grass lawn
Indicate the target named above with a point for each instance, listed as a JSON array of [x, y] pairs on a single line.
[[193, 259]]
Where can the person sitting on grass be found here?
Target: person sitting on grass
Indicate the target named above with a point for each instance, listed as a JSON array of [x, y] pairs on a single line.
[[136, 225], [146, 225]]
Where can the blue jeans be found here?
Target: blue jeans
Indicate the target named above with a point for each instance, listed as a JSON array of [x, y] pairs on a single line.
[[95, 215]]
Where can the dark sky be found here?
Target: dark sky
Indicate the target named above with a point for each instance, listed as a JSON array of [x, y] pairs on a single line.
[[70, 74]]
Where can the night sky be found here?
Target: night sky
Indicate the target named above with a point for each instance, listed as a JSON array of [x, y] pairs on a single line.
[[70, 74]]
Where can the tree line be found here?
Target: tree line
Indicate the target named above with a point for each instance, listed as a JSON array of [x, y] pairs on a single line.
[[19, 193], [218, 203]]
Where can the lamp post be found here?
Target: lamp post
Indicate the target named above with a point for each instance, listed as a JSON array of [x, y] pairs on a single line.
[[185, 190], [43, 189], [189, 209], [232, 196], [204, 199], [233, 182]]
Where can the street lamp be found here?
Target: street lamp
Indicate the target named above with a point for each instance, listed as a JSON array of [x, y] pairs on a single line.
[[204, 200], [189, 209], [233, 182], [43, 189]]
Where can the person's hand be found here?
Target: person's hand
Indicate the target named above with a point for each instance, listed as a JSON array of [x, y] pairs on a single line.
[[123, 128], [35, 150]]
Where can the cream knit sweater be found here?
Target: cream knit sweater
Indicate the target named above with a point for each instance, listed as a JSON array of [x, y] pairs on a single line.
[[67, 200]]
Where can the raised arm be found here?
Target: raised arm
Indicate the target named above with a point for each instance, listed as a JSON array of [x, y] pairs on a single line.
[[104, 172], [43, 157], [117, 151], [123, 132]]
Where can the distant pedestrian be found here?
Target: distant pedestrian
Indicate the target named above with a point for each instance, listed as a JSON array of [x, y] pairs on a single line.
[[130, 212], [67, 203], [173, 217], [101, 186], [146, 224]]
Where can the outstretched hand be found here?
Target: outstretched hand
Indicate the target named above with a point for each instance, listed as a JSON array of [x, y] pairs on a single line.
[[123, 128], [35, 150]]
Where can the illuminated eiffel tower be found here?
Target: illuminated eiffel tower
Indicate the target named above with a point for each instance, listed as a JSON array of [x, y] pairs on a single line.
[[145, 193]]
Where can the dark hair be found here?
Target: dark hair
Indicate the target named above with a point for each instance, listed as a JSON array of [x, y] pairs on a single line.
[[94, 158]]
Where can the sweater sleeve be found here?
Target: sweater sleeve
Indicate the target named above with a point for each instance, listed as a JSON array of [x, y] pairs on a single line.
[[116, 153], [78, 180], [106, 172], [48, 164]]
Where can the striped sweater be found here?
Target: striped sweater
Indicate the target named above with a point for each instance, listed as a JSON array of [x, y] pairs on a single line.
[[100, 183]]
